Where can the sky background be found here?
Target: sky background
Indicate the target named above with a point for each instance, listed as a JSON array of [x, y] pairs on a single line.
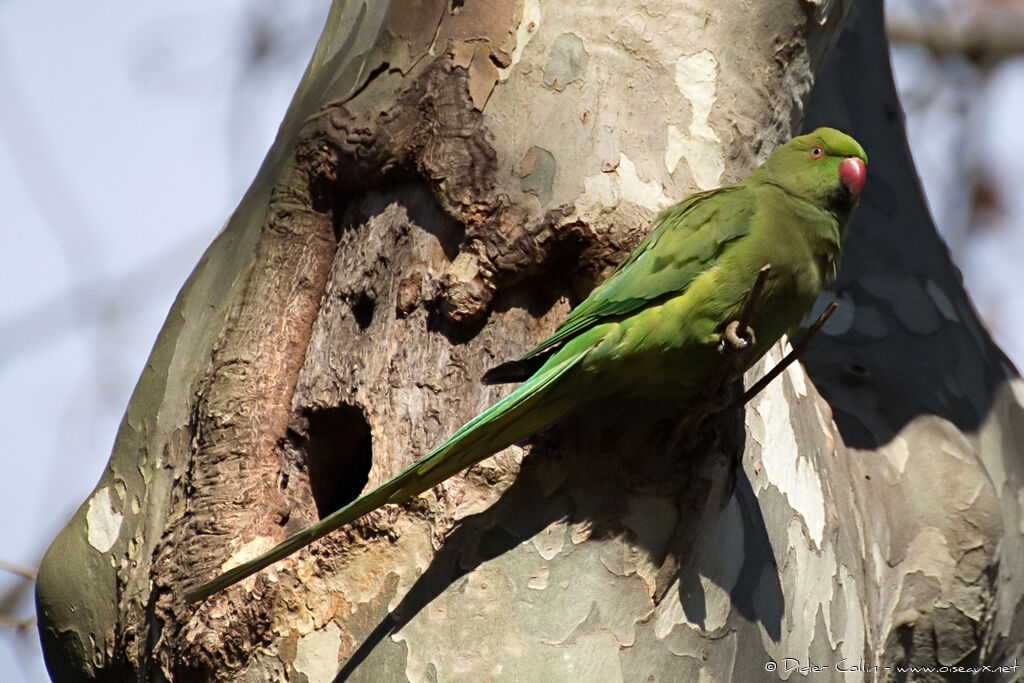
[[128, 133]]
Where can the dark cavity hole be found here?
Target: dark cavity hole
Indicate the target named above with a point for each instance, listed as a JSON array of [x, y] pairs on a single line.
[[327, 196], [420, 206], [424, 211], [324, 195], [362, 310], [339, 451]]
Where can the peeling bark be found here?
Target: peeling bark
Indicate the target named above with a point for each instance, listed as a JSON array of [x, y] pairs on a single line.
[[440, 194]]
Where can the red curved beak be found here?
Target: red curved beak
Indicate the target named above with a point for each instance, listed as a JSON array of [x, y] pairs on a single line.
[[852, 174]]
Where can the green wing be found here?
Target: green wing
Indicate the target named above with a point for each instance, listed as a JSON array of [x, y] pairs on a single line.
[[685, 240]]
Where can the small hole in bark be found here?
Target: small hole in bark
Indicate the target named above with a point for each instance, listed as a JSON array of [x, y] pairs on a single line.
[[858, 371], [339, 451], [362, 310]]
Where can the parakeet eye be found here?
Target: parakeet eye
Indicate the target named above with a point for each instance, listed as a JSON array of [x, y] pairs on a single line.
[[817, 152]]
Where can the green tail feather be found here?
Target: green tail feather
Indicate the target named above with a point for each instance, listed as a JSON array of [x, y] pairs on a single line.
[[529, 408]]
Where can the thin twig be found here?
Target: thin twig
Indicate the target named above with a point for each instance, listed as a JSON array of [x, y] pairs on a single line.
[[23, 572], [19, 624], [747, 312], [742, 325], [795, 353]]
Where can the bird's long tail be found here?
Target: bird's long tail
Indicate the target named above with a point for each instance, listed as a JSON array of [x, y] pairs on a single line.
[[531, 407]]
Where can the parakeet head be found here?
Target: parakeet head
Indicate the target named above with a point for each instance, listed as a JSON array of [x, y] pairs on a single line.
[[826, 167]]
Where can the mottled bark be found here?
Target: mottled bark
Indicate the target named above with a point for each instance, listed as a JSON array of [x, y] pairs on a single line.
[[929, 410], [450, 179]]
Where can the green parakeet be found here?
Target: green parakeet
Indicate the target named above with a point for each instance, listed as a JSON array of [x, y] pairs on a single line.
[[653, 327]]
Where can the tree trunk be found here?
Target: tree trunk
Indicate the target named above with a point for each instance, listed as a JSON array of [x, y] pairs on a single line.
[[449, 180]]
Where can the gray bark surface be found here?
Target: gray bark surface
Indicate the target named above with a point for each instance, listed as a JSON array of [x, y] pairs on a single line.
[[441, 193]]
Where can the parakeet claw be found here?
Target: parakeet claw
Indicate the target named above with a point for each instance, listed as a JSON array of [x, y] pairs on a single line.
[[734, 341], [738, 334]]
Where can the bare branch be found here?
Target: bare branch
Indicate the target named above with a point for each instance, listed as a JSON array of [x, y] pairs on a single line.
[[795, 353]]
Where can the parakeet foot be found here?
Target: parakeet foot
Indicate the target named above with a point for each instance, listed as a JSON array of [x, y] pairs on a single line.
[[734, 340]]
